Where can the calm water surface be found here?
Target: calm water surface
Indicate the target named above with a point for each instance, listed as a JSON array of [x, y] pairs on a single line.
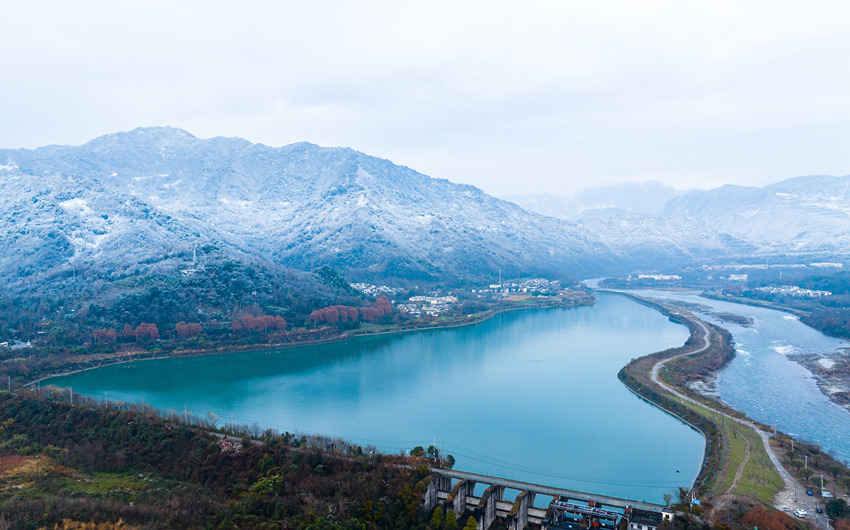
[[531, 395], [766, 383]]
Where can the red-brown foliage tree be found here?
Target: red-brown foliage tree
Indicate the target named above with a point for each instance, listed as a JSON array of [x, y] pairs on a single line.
[[185, 330], [334, 314], [383, 303], [345, 313], [147, 330], [764, 520], [383, 306], [370, 314], [105, 335], [260, 323]]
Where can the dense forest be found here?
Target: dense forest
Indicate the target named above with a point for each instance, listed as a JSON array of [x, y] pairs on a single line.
[[104, 464], [218, 304], [85, 465]]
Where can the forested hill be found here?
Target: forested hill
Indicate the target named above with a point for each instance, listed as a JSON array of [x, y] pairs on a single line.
[[138, 202]]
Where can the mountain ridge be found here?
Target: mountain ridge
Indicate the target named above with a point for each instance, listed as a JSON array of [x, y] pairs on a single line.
[[299, 205]]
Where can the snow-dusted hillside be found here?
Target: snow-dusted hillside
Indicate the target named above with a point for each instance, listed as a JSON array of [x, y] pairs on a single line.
[[129, 202], [656, 242], [655, 226], [800, 215]]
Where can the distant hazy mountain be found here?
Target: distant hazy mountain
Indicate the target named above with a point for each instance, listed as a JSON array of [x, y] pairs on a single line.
[[797, 218], [547, 204], [646, 197], [658, 242], [800, 215], [129, 203]]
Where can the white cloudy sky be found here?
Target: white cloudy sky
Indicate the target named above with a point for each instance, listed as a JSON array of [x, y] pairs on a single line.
[[516, 98]]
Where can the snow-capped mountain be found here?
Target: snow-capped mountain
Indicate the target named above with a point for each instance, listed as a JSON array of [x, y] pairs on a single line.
[[126, 203], [658, 242], [653, 224], [803, 215]]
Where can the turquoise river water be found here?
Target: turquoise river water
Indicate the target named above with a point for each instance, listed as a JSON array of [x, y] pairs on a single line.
[[531, 395], [765, 382]]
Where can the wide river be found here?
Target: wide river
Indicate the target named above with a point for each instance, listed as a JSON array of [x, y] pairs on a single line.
[[765, 382], [531, 395]]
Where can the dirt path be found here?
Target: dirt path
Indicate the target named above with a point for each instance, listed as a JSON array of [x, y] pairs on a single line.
[[741, 467], [792, 495]]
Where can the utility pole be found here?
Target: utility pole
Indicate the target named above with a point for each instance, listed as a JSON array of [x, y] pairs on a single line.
[[71, 395], [806, 457]]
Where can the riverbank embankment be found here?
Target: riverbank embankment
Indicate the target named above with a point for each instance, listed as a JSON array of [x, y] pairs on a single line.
[[74, 364], [736, 461]]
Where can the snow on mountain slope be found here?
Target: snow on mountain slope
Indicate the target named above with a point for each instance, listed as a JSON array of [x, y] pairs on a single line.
[[138, 196], [654, 242], [799, 215]]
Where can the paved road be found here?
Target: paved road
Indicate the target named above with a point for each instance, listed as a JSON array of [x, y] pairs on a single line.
[[793, 494]]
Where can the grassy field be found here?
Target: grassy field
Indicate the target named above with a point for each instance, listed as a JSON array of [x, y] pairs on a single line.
[[42, 477], [759, 479]]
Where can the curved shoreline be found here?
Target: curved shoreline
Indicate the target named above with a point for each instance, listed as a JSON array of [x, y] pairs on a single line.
[[140, 357], [714, 453]]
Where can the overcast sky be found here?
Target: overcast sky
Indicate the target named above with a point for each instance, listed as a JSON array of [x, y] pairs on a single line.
[[516, 98]]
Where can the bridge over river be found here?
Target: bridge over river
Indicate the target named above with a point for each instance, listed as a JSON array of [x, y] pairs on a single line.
[[594, 510]]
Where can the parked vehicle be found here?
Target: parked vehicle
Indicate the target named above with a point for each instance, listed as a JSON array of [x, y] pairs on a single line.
[[800, 513], [809, 492]]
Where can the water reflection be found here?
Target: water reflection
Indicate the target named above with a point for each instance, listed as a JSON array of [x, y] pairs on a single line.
[[531, 395]]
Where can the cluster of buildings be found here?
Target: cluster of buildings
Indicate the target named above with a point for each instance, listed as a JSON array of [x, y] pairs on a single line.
[[376, 290], [793, 290], [427, 305], [658, 277], [16, 345], [765, 266], [534, 285]]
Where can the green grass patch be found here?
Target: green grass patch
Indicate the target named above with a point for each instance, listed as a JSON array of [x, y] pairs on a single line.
[[99, 484], [738, 450], [759, 479], [731, 455]]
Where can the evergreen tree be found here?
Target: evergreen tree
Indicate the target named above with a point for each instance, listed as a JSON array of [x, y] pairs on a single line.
[[437, 518]]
